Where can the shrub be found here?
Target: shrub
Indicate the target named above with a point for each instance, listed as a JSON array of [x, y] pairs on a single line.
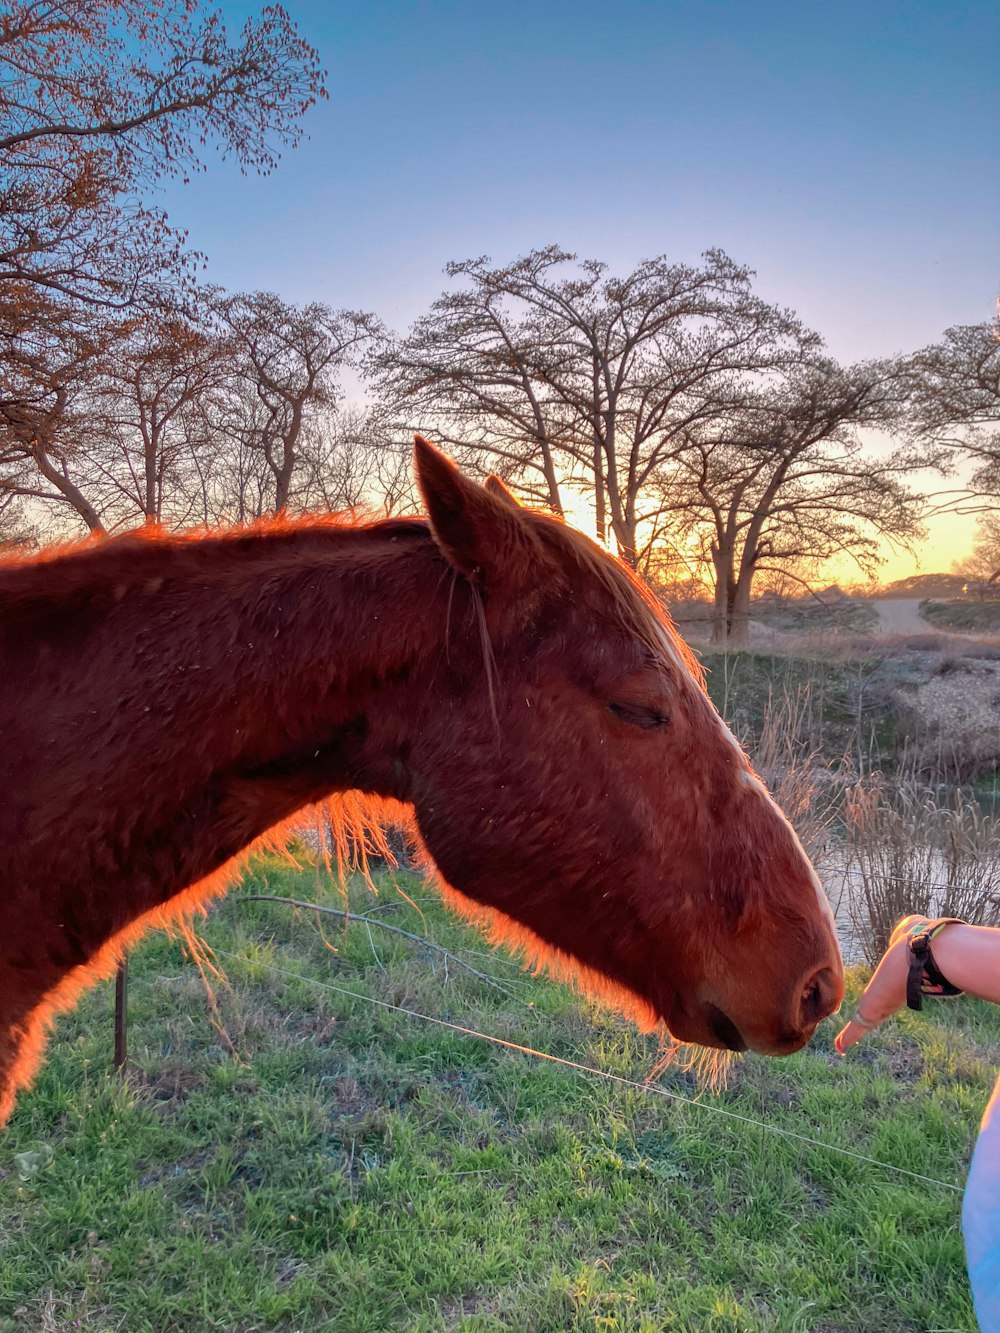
[[908, 852]]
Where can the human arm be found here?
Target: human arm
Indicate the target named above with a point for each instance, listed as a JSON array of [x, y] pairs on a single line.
[[969, 956]]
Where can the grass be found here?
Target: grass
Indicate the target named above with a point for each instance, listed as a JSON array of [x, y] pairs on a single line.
[[848, 700], [327, 1165], [965, 616], [810, 613]]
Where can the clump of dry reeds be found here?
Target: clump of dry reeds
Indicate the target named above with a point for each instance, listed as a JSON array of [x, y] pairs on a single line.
[[888, 845], [907, 850], [890, 864], [787, 752], [968, 842]]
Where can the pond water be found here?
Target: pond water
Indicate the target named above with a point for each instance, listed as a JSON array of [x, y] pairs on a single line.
[[844, 885]]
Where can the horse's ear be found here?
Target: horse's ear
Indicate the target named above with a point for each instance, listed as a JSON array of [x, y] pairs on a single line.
[[496, 487], [486, 538]]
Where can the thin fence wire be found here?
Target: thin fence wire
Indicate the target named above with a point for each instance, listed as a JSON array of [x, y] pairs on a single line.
[[852, 871], [652, 1089]]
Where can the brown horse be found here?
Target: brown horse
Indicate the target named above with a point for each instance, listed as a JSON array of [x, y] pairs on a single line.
[[168, 700]]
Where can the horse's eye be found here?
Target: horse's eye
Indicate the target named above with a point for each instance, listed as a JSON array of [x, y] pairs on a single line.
[[640, 715]]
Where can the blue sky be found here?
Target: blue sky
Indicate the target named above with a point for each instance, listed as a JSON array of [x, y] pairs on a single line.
[[846, 152]]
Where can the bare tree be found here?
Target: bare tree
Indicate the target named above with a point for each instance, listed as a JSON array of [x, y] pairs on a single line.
[[17, 532], [783, 481], [955, 397], [982, 566], [99, 99], [48, 352], [147, 414], [286, 361], [559, 371], [472, 372], [351, 459]]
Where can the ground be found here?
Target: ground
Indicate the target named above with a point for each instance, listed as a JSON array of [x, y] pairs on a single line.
[[898, 615], [299, 1159]]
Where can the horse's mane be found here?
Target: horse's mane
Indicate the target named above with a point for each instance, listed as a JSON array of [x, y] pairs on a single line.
[[354, 519], [68, 570], [638, 609], [153, 551]]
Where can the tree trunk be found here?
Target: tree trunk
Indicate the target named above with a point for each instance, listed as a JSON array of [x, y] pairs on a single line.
[[283, 483], [625, 536], [551, 479], [739, 615], [722, 563], [149, 505], [600, 497], [68, 489], [289, 457]]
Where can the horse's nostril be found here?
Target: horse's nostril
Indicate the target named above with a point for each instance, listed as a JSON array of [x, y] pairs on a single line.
[[725, 1029], [821, 995]]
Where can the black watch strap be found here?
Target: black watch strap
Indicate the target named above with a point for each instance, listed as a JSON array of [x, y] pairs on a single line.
[[924, 976]]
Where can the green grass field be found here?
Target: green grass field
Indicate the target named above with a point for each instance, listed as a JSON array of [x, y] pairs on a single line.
[[317, 1163]]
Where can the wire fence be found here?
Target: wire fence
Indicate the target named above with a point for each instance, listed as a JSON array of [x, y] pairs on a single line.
[[647, 1086], [593, 1071]]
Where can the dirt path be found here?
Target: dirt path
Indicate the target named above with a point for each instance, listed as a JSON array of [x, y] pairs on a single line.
[[899, 615]]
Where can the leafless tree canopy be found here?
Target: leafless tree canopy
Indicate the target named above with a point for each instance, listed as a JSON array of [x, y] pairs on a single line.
[[704, 422], [955, 397], [782, 482], [98, 100], [285, 360], [707, 427], [982, 567], [559, 371], [220, 413]]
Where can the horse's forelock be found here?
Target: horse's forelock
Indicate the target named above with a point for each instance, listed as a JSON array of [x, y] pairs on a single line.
[[639, 612]]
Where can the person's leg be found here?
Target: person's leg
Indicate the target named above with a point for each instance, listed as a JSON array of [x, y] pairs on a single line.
[[981, 1219]]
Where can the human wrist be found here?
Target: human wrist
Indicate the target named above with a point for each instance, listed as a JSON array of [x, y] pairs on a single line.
[[863, 1021], [969, 957]]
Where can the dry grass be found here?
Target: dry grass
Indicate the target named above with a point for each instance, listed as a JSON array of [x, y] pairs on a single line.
[[787, 751], [908, 851]]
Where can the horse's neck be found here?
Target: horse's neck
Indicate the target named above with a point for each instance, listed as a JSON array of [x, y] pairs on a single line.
[[312, 684], [194, 715], [331, 626], [297, 650]]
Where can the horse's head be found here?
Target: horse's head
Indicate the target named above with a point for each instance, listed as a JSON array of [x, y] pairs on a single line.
[[573, 777]]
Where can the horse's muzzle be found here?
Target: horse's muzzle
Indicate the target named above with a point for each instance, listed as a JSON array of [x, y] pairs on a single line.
[[724, 1029]]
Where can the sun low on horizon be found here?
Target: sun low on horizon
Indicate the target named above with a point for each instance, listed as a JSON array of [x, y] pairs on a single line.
[[948, 538]]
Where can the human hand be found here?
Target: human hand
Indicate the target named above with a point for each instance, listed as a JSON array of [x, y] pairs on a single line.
[[886, 992]]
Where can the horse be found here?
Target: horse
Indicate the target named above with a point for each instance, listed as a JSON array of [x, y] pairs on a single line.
[[171, 700]]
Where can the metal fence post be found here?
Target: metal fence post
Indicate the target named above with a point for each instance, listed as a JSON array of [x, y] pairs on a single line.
[[121, 1014]]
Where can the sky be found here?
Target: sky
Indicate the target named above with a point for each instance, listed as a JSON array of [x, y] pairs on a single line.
[[847, 153]]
